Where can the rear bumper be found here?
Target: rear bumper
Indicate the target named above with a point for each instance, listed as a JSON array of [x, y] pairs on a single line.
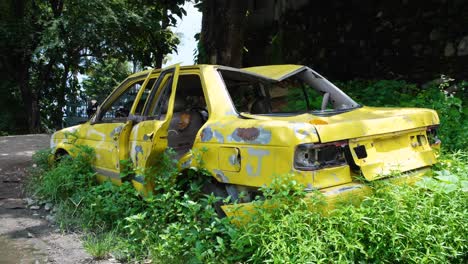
[[350, 192]]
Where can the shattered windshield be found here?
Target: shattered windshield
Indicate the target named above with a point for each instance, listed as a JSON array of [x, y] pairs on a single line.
[[300, 93]]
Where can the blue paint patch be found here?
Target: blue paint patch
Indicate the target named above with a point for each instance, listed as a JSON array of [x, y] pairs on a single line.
[[140, 179], [250, 170], [233, 160], [219, 137], [220, 175], [116, 130], [343, 189], [259, 153], [206, 134], [231, 113], [310, 187], [303, 130], [138, 149], [186, 164]]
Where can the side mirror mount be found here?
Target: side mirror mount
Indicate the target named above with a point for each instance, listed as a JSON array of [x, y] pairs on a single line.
[[93, 107], [95, 115]]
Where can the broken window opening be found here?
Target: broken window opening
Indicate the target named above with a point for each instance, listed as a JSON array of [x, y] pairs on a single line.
[[119, 109], [297, 94]]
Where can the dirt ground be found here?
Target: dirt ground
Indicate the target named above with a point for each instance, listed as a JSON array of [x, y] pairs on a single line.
[[27, 234]]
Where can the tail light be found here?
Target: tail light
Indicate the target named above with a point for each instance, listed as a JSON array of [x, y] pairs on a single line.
[[318, 156], [434, 141]]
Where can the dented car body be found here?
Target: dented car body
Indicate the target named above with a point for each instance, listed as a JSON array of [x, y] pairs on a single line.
[[255, 124]]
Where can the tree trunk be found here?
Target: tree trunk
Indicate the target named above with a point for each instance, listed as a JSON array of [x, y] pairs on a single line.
[[159, 56], [222, 36], [30, 99], [28, 95]]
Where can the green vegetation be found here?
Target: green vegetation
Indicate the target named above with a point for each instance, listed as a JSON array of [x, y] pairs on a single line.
[[178, 223], [47, 45]]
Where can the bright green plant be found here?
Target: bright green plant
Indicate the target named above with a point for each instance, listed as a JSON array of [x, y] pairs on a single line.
[[397, 223], [99, 245], [59, 183]]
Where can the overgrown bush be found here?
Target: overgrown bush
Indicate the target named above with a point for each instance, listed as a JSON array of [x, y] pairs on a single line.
[[448, 98], [59, 183], [406, 224], [178, 224]]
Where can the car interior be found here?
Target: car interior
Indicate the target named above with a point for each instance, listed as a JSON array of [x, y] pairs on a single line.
[[189, 115]]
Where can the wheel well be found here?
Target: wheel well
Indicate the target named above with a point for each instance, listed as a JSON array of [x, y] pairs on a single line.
[[60, 153]]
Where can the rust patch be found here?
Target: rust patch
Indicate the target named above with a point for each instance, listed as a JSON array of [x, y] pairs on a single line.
[[248, 134]]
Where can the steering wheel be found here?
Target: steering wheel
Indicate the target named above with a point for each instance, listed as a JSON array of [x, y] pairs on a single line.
[[325, 99]]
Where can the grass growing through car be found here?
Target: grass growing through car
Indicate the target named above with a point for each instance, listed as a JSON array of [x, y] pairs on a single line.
[[426, 223]]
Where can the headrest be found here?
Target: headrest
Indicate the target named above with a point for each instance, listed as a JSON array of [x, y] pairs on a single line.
[[260, 106]]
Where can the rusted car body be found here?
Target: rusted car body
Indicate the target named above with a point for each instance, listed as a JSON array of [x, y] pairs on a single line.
[[255, 124]]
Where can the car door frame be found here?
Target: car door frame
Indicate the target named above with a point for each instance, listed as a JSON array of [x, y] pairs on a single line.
[[149, 134]]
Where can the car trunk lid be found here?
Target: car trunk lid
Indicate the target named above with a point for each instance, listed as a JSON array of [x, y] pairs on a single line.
[[381, 140]]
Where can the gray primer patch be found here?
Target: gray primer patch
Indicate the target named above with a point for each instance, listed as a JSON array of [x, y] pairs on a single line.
[[138, 149], [220, 175], [303, 130], [263, 137], [344, 189], [146, 137], [140, 179], [335, 177], [232, 191], [206, 134], [233, 160], [309, 187], [231, 113], [116, 130], [259, 153], [219, 137], [186, 164]]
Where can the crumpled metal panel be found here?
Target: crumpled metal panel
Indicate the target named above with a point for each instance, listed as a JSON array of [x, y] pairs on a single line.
[[398, 152]]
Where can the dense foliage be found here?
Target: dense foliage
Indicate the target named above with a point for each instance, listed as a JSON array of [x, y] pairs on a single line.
[[46, 45], [177, 224]]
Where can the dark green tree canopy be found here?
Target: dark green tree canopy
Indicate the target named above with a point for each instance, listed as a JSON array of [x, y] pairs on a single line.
[[45, 45]]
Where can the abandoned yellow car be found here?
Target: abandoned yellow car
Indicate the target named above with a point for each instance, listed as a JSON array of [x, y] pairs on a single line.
[[255, 124]]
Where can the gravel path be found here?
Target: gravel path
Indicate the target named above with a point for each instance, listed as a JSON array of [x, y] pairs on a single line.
[[25, 235]]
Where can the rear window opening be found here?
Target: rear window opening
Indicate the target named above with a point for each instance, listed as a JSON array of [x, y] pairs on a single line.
[[299, 93]]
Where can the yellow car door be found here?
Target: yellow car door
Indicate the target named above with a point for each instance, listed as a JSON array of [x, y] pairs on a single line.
[[109, 130], [148, 137]]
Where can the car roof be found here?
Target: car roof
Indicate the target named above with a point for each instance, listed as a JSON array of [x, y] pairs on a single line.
[[272, 72]]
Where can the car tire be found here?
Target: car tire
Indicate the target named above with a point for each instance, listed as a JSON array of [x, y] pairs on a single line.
[[218, 190]]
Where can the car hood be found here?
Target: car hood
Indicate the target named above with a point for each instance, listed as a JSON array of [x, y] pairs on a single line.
[[361, 122]]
